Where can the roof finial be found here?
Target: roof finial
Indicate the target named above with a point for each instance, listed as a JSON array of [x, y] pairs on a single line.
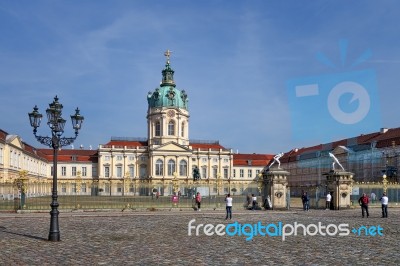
[[167, 54]]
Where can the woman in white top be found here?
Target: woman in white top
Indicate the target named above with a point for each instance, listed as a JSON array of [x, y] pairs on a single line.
[[228, 201]]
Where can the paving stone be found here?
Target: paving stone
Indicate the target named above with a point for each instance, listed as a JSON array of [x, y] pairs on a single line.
[[161, 237]]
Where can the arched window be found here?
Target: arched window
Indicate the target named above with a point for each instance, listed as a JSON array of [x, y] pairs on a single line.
[[171, 167], [183, 129], [159, 167], [183, 168], [171, 128], [158, 129]]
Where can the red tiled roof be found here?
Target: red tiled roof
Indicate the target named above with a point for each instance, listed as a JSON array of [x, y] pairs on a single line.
[[206, 146], [243, 159], [123, 143], [383, 139], [66, 155], [3, 135]]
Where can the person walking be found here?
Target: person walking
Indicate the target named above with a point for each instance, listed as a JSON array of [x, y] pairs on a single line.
[[363, 201], [228, 201], [306, 201], [328, 201], [384, 201], [254, 200], [198, 201]]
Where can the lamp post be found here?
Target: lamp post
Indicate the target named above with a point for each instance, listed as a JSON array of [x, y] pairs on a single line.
[[22, 184], [56, 124], [219, 183], [78, 188], [175, 186], [127, 183], [260, 182], [384, 181]]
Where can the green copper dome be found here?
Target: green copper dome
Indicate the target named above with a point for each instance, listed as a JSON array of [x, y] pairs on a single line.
[[167, 95]]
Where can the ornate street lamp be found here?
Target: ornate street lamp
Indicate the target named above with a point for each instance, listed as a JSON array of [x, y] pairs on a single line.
[[384, 182], [56, 124], [219, 183], [175, 185]]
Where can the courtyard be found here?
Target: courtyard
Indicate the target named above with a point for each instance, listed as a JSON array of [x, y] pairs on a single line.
[[161, 237]]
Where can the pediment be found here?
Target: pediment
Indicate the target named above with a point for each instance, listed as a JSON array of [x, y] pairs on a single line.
[[171, 147], [15, 141]]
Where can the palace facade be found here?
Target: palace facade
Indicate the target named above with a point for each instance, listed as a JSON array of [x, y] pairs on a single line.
[[165, 161]]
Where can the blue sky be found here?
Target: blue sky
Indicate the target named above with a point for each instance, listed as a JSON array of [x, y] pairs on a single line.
[[233, 58]]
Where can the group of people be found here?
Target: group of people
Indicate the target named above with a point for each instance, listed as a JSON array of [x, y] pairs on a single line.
[[228, 202], [364, 201]]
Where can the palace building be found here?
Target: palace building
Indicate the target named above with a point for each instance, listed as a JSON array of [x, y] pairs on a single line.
[[166, 161]]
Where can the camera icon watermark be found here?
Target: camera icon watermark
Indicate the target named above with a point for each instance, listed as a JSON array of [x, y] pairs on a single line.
[[332, 106]]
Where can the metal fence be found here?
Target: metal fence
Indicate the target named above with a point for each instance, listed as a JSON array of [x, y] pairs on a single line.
[[101, 196], [374, 191]]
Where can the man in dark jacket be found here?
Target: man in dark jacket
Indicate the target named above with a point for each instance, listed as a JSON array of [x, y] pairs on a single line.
[[306, 201], [363, 201]]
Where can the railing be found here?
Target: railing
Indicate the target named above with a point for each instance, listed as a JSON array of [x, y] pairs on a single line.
[[100, 195]]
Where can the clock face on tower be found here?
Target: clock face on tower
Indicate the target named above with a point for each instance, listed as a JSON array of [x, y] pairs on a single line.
[[171, 113]]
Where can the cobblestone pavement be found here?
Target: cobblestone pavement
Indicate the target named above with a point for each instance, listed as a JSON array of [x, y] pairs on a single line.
[[161, 237]]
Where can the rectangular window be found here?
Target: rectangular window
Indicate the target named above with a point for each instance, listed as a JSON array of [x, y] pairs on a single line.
[[234, 172], [226, 160], [107, 158], [215, 160], [73, 187], [225, 172], [241, 173], [158, 129], [63, 171], [63, 188], [131, 158], [143, 158], [119, 158], [94, 171], [73, 170], [84, 171], [119, 189], [131, 171], [107, 188], [106, 171], [171, 128], [204, 160], [257, 172], [204, 172], [249, 173], [119, 171], [215, 171]]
